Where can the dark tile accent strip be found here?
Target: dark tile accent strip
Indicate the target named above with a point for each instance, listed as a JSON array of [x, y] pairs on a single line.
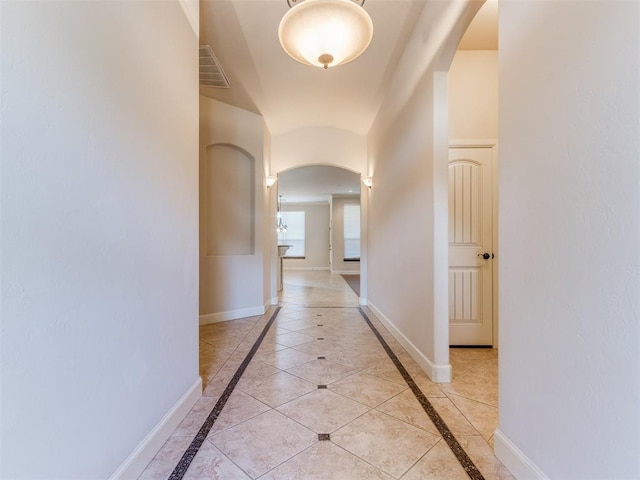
[[192, 450], [320, 338], [323, 437], [322, 387], [456, 448], [322, 358]]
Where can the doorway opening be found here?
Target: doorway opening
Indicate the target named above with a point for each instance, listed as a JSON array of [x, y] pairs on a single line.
[[319, 205], [472, 220], [472, 163]]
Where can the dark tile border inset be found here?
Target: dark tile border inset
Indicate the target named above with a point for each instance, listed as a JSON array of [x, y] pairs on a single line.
[[198, 440], [435, 417], [323, 437]]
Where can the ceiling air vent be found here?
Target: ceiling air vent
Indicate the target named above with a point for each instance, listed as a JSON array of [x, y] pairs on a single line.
[[211, 73]]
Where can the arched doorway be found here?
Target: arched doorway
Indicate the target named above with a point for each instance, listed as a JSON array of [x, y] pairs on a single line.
[[319, 217]]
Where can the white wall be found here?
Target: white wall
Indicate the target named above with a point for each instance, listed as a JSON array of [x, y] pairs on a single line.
[[473, 95], [271, 260], [401, 223], [99, 230], [233, 286], [338, 264], [318, 146], [227, 202], [570, 242], [316, 237], [364, 242], [407, 220]]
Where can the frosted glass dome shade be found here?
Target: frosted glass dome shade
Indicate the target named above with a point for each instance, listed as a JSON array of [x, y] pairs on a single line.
[[325, 33]]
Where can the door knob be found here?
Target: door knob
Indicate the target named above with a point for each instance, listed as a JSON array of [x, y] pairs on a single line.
[[485, 255]]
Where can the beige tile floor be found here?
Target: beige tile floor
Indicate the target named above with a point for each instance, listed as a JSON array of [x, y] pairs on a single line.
[[269, 427]]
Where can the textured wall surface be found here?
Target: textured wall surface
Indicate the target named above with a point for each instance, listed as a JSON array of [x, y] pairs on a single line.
[[99, 230], [569, 236]]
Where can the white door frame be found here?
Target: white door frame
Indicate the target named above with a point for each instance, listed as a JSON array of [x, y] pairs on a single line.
[[493, 145]]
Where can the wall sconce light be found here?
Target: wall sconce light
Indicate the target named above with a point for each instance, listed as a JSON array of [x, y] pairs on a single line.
[[368, 181], [271, 181]]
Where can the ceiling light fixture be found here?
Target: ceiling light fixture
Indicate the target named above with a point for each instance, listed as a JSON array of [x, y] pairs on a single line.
[[325, 33]]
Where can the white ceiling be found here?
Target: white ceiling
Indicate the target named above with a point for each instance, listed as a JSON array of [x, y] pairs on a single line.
[[264, 79], [289, 95]]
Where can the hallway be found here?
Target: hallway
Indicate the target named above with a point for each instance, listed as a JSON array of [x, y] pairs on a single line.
[[322, 399]]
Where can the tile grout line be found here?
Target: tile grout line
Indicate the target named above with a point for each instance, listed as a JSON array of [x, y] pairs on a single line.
[[188, 456], [229, 354], [462, 456]]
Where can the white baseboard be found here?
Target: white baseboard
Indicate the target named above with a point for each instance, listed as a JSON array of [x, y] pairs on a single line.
[[437, 373], [514, 459], [231, 315], [135, 464], [274, 301], [363, 301], [346, 272]]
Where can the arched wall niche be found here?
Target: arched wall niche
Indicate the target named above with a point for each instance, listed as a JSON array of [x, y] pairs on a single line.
[[229, 200], [235, 245]]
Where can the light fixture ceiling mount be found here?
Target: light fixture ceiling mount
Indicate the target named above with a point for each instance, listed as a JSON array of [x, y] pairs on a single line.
[[325, 33]]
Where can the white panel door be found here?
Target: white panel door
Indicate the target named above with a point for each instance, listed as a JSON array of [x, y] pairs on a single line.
[[470, 237]]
